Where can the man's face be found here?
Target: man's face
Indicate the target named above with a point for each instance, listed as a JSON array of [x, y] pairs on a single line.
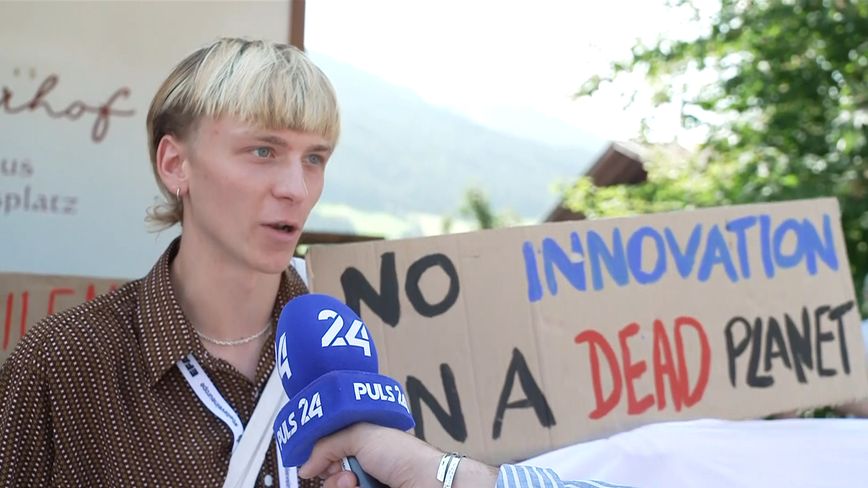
[[250, 191]]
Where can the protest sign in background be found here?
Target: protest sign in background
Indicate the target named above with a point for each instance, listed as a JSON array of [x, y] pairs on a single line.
[[25, 299], [516, 341]]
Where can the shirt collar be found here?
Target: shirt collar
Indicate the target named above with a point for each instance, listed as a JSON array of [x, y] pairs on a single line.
[[166, 334]]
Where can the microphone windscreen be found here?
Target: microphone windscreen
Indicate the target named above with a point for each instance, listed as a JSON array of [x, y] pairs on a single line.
[[328, 365], [317, 334]]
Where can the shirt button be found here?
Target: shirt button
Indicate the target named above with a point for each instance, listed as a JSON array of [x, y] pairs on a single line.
[[268, 480]]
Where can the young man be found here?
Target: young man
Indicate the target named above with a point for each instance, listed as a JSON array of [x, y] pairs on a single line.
[[239, 134]]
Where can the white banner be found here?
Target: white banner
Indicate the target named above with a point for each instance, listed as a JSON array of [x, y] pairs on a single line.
[[798, 453]]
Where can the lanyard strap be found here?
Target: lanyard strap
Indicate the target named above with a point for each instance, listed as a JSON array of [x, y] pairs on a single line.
[[210, 396]]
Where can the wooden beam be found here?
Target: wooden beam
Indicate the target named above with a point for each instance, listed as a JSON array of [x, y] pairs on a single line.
[[296, 23], [333, 238]]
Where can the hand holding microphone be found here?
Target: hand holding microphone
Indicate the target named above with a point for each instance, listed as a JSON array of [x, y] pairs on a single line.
[[340, 408], [397, 458], [328, 366]]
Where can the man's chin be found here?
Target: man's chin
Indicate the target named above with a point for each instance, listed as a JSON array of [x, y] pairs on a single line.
[[274, 265]]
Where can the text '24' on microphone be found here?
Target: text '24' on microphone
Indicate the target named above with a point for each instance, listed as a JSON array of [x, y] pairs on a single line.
[[328, 366]]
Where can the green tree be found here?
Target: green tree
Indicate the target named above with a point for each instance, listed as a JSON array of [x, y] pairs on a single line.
[[477, 208], [785, 113]]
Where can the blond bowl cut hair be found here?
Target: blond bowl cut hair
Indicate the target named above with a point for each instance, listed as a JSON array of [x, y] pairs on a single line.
[[268, 85]]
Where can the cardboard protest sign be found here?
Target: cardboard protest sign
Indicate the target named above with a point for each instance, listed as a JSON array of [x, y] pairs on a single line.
[[517, 341], [26, 299]]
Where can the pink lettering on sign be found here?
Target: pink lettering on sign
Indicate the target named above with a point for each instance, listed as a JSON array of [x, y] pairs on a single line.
[[7, 325], [664, 366], [19, 306], [73, 111]]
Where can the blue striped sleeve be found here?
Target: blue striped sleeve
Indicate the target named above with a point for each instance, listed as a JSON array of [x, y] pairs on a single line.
[[514, 476], [547, 481]]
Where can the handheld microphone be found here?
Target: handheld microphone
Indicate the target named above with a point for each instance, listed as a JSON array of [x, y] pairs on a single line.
[[328, 365]]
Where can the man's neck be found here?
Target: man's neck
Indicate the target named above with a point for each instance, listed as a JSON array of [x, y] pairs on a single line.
[[220, 298]]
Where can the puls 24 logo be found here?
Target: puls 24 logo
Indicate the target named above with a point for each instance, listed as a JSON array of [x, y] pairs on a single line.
[[355, 336]]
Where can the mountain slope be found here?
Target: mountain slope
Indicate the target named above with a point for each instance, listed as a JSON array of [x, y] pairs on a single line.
[[399, 154]]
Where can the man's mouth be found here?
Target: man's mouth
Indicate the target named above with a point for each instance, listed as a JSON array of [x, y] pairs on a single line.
[[287, 228]]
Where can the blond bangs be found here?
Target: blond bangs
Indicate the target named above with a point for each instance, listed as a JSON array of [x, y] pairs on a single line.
[[266, 85]]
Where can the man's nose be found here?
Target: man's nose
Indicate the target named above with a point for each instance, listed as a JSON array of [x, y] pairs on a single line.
[[291, 183]]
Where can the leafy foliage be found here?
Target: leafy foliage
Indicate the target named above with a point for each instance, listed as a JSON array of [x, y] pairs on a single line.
[[785, 113], [476, 207]]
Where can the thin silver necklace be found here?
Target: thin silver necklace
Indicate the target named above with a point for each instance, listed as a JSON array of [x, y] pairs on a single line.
[[236, 342]]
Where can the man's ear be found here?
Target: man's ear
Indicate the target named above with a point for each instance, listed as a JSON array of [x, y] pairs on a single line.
[[172, 163]]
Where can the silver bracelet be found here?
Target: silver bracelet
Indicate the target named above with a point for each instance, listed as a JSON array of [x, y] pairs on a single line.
[[448, 467]]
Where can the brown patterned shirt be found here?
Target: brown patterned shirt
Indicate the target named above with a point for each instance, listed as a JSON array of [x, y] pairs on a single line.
[[93, 397]]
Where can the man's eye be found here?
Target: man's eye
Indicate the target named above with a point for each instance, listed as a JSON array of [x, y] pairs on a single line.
[[316, 159], [263, 152]]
